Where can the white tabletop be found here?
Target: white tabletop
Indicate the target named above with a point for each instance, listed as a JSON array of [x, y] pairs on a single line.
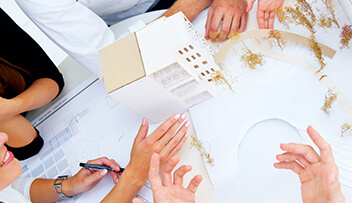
[[251, 177]]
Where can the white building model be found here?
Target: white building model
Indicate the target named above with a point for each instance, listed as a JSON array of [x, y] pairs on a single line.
[[162, 69]]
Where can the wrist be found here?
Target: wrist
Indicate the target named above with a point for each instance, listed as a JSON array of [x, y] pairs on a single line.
[[67, 188], [135, 176]]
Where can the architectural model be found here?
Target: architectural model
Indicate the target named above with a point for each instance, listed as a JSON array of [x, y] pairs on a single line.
[[161, 69]]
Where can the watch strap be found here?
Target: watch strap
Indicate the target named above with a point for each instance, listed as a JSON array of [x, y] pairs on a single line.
[[58, 186]]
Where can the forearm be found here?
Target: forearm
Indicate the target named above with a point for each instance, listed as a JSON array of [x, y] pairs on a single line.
[[191, 8], [42, 190], [126, 188], [41, 92]]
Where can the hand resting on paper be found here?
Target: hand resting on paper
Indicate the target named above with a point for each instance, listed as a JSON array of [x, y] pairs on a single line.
[[170, 188], [318, 174]]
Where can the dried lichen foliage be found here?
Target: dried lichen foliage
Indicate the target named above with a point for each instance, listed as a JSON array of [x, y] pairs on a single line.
[[346, 129], [276, 38], [218, 35], [195, 143], [330, 8], [252, 59], [305, 8], [219, 78], [213, 35], [330, 98], [233, 33], [314, 46], [326, 22], [302, 15], [346, 36], [291, 15]]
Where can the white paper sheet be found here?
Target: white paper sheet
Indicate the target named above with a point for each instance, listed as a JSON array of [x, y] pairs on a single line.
[[85, 124]]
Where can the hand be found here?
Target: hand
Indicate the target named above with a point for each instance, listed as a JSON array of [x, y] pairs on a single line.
[[165, 141], [166, 190], [318, 174], [86, 179], [266, 12], [233, 15]]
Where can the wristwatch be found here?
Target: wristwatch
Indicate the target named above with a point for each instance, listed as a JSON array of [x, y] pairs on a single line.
[[58, 187]]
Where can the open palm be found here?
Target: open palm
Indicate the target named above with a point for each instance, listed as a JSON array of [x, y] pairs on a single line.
[[170, 188], [318, 174], [266, 12]]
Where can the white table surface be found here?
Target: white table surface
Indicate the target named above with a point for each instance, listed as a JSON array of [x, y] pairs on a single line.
[[258, 181], [228, 191]]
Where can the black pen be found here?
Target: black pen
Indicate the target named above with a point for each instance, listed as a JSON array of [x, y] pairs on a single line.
[[99, 167]]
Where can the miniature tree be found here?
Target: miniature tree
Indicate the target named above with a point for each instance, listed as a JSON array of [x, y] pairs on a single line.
[[252, 59], [346, 36], [303, 15], [213, 35], [326, 22], [346, 129], [330, 98], [330, 8], [219, 78], [314, 46], [306, 9], [233, 33], [197, 144], [294, 15], [276, 38]]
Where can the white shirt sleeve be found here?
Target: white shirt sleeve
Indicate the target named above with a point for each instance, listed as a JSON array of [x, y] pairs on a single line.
[[10, 195], [23, 186], [73, 27]]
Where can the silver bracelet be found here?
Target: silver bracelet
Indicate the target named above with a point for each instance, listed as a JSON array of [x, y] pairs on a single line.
[[58, 187]]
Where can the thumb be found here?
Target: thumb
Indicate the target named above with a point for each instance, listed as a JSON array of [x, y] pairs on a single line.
[[333, 187], [250, 5], [97, 176], [143, 130], [137, 200]]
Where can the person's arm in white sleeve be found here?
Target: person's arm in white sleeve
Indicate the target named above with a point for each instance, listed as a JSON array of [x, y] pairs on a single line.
[[73, 27], [22, 185]]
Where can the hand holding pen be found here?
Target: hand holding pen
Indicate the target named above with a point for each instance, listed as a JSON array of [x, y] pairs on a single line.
[[86, 179]]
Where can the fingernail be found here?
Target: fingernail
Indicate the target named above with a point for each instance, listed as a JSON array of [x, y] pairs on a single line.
[[143, 121], [183, 116], [177, 116], [187, 124], [103, 172]]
